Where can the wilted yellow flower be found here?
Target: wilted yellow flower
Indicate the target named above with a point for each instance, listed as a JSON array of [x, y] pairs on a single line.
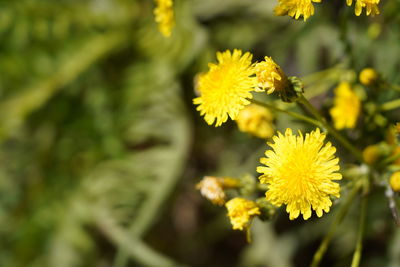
[[370, 5], [371, 154], [368, 76], [164, 14], [270, 76], [241, 211], [226, 87], [395, 181], [212, 188], [300, 172], [256, 120], [296, 8], [346, 107]]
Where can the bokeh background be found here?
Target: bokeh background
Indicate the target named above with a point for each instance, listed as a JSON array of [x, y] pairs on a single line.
[[101, 147]]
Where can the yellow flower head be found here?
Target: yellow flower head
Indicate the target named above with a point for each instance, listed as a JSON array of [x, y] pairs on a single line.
[[368, 76], [370, 5], [296, 8], [164, 16], [212, 188], [270, 76], [395, 181], [256, 120], [226, 87], [241, 211], [300, 172], [346, 107]]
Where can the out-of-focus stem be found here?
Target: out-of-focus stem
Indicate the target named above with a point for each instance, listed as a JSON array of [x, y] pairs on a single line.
[[357, 253], [332, 229], [394, 104], [303, 101], [290, 113]]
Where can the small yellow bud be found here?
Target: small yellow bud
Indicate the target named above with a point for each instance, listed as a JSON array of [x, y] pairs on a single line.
[[256, 120], [241, 211], [368, 76], [270, 76], [371, 154], [395, 181]]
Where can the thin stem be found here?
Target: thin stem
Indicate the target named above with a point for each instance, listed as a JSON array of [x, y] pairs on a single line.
[[302, 100], [338, 219], [390, 159], [290, 113], [357, 253], [394, 104]]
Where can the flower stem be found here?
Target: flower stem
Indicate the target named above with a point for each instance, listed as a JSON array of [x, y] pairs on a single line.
[[338, 219], [390, 105], [302, 100], [290, 113], [357, 253]]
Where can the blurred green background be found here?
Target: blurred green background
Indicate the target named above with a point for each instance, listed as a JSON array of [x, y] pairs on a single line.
[[101, 147]]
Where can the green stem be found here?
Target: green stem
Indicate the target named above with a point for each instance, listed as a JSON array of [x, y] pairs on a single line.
[[290, 113], [302, 100], [394, 104], [134, 247], [339, 217], [357, 253], [390, 159]]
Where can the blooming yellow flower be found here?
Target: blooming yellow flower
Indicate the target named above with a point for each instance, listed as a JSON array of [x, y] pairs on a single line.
[[300, 172], [226, 87], [296, 8], [164, 16], [370, 5], [395, 181], [346, 107], [256, 120], [270, 76], [241, 211], [368, 76]]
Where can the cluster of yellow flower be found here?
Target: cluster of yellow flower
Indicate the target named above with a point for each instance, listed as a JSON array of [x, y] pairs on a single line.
[[305, 8], [164, 14], [299, 171]]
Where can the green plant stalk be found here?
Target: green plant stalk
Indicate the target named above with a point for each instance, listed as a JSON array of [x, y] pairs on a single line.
[[332, 229], [394, 104], [290, 113], [135, 248], [357, 253], [390, 159], [303, 101]]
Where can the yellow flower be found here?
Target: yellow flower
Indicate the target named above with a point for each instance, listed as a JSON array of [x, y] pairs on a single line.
[[211, 188], [241, 211], [270, 76], [368, 76], [370, 5], [296, 8], [226, 87], [300, 172], [395, 181], [346, 107], [256, 120], [164, 16]]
